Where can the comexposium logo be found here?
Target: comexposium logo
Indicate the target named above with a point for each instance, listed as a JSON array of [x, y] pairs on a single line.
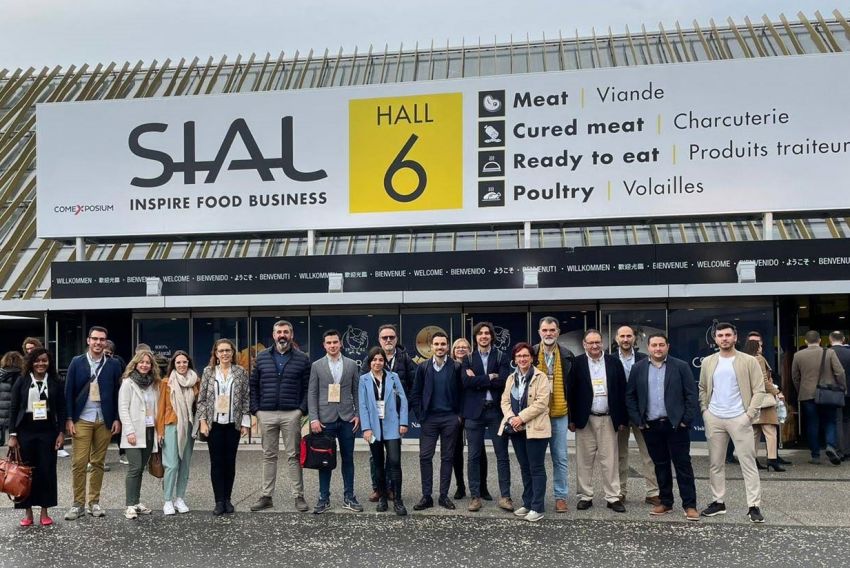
[[84, 208]]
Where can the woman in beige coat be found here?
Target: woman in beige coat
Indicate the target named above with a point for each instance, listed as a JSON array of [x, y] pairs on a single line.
[[525, 404], [767, 422]]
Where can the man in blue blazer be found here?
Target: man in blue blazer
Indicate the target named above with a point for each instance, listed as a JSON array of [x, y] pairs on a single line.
[[662, 400], [436, 399], [484, 373], [91, 400], [596, 397]]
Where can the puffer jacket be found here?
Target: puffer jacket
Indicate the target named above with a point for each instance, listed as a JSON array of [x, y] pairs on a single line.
[[8, 376], [285, 391]]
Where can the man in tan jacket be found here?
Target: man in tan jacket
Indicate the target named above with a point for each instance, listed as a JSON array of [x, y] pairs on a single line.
[[731, 391], [806, 369]]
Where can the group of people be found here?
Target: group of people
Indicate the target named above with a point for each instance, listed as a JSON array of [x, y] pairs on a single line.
[[529, 398]]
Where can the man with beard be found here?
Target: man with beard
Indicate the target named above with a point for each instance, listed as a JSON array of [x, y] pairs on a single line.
[[278, 391]]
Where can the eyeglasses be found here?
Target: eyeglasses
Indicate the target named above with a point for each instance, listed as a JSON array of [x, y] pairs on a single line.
[[388, 338]]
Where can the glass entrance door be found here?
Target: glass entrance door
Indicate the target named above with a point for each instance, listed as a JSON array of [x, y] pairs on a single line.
[[643, 319], [208, 330]]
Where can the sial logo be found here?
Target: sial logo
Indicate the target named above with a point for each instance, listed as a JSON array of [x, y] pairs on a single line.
[[191, 166]]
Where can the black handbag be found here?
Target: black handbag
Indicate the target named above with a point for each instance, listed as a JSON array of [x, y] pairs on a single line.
[[318, 451], [828, 394]]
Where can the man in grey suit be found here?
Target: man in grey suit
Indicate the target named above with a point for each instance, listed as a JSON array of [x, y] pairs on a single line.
[[332, 406]]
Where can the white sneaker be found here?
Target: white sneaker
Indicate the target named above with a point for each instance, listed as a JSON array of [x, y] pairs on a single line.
[[131, 513], [95, 510], [533, 516], [62, 453], [123, 460], [142, 510], [180, 505], [74, 513], [522, 511], [168, 508]]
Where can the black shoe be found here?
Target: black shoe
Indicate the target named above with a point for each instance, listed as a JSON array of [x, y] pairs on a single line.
[[617, 507], [783, 461], [832, 456], [584, 504], [446, 503], [219, 508], [424, 503], [755, 515], [400, 509], [759, 465], [382, 504], [486, 495], [228, 507], [714, 508], [321, 507], [774, 464], [264, 502], [460, 493], [733, 460]]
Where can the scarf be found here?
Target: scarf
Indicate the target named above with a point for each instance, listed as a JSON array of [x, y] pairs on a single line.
[[182, 401], [142, 381], [558, 402]]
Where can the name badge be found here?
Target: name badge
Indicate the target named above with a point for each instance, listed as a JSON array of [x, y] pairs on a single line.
[[94, 392], [222, 404], [334, 392], [381, 409], [39, 410], [598, 387], [148, 420]]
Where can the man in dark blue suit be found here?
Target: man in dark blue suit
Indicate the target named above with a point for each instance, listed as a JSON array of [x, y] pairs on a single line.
[[484, 373], [662, 400]]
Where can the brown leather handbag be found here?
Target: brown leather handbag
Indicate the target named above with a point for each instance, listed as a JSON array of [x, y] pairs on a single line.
[[155, 467], [15, 477]]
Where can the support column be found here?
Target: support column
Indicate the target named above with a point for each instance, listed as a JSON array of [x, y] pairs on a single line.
[[311, 242], [81, 249], [767, 227], [526, 235]]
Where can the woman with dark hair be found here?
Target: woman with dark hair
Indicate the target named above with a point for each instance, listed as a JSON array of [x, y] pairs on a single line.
[[767, 422], [525, 404], [223, 413], [10, 369], [36, 425], [383, 417], [175, 415], [461, 349], [137, 402]]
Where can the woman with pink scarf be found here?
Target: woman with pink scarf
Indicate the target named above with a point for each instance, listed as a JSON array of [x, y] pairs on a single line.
[[175, 415]]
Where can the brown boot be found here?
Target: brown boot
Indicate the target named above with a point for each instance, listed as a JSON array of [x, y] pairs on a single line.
[[659, 510], [691, 514], [561, 506], [506, 504], [653, 500], [474, 504]]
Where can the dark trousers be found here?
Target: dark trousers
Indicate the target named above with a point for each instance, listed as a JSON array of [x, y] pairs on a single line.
[[444, 427], [489, 420], [844, 427], [344, 434], [386, 455], [666, 445], [223, 442], [459, 459], [819, 417], [37, 440], [531, 455]]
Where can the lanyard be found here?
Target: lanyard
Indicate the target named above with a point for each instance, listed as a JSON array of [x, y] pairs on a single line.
[[380, 385], [391, 363], [97, 371], [41, 389]]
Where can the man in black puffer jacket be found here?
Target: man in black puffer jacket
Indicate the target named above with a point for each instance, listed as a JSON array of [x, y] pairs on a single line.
[[278, 391], [10, 369]]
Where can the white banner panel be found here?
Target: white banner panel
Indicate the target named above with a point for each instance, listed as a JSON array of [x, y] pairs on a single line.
[[727, 137]]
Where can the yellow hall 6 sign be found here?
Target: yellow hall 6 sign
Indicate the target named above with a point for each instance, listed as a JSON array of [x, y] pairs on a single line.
[[406, 153]]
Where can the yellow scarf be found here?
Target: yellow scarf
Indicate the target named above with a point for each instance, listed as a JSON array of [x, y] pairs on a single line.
[[558, 402]]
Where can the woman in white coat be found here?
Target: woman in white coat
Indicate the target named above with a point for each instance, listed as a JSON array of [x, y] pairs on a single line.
[[137, 401]]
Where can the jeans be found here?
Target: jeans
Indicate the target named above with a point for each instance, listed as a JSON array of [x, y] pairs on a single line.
[[444, 427], [490, 419], [667, 445], [344, 433], [386, 456], [531, 454], [558, 449], [819, 417]]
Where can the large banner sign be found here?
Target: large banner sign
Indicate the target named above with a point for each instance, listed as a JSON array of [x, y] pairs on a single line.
[[729, 137]]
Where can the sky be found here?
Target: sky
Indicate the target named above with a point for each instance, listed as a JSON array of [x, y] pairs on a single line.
[[62, 32]]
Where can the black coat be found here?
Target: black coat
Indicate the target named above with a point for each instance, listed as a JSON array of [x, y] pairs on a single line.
[[56, 413], [402, 365], [270, 390], [680, 393], [475, 388], [423, 388], [8, 377], [580, 391]]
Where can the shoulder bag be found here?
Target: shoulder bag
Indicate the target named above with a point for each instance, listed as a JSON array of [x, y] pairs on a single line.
[[828, 394], [15, 477], [155, 467]]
